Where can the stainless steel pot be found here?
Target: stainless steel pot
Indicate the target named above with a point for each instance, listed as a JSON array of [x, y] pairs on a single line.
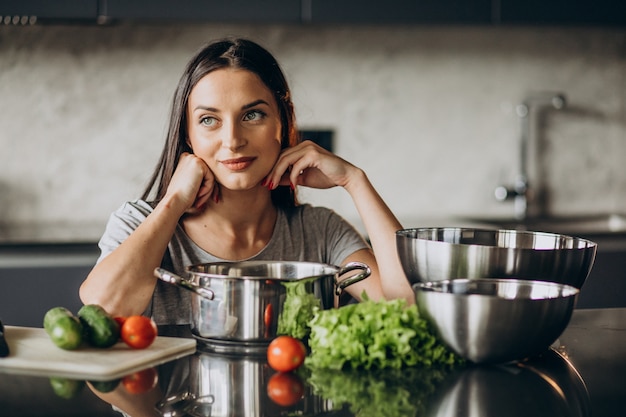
[[244, 304]]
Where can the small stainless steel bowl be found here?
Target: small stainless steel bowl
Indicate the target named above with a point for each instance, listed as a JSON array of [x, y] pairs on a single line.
[[496, 320], [440, 253]]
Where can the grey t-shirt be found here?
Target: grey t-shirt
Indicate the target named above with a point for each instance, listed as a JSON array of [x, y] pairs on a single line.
[[306, 233]]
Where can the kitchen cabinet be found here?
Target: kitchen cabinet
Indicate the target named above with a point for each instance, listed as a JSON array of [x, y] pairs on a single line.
[[401, 11], [561, 12], [35, 278], [390, 12], [267, 11], [606, 285], [31, 11]]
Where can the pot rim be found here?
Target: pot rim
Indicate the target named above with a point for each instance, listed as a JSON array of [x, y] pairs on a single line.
[[324, 270]]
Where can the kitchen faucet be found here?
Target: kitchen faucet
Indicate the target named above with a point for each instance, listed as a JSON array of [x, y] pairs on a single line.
[[520, 191]]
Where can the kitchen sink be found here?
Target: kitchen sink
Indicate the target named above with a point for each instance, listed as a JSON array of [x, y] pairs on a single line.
[[591, 225]]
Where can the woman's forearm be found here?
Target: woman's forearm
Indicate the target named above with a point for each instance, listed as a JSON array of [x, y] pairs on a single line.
[[381, 225], [123, 282]]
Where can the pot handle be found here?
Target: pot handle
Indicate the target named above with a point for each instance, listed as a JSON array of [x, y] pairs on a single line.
[[352, 266], [172, 278]]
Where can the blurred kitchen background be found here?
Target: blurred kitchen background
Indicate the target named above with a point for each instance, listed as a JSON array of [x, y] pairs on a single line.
[[423, 95]]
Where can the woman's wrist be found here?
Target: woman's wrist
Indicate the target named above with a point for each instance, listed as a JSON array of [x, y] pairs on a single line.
[[172, 204], [357, 180]]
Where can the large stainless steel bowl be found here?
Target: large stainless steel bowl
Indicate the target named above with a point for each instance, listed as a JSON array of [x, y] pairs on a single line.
[[496, 320], [440, 253]]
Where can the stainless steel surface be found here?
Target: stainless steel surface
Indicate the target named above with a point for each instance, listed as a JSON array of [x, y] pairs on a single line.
[[496, 320], [234, 383], [520, 192], [250, 296], [434, 254], [171, 278]]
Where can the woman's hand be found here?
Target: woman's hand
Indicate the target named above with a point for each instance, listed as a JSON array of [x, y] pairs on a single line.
[[193, 183], [310, 165]]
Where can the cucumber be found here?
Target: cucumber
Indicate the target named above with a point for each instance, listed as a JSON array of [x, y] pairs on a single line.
[[64, 329], [100, 328]]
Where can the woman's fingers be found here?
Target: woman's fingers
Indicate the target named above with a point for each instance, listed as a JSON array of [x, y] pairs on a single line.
[[193, 181], [310, 165]]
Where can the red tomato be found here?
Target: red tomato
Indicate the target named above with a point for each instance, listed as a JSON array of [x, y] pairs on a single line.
[[141, 381], [285, 353], [138, 332], [120, 320], [285, 388]]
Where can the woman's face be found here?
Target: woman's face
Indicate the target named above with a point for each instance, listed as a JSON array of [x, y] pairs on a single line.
[[234, 126]]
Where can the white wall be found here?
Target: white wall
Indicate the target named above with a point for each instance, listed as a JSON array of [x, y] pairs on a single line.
[[428, 112]]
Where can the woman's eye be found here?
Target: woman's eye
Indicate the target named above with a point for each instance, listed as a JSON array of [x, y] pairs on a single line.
[[207, 121], [254, 115]]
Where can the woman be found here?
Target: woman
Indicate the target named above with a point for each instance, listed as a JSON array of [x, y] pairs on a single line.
[[224, 189]]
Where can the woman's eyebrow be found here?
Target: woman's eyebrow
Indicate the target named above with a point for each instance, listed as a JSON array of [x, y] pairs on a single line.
[[205, 108], [254, 103], [244, 107]]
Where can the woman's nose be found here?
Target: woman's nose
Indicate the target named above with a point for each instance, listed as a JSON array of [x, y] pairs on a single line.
[[233, 136]]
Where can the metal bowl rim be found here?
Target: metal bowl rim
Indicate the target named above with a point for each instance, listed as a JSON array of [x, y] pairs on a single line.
[[429, 287], [404, 233]]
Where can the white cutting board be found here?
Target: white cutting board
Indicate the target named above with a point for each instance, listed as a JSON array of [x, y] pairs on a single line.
[[33, 353]]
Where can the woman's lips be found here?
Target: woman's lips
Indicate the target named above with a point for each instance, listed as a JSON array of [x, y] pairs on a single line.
[[238, 164]]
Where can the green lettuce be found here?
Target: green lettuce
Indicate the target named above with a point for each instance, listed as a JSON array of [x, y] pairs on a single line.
[[374, 334]]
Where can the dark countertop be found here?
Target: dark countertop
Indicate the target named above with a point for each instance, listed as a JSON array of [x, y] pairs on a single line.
[[582, 375]]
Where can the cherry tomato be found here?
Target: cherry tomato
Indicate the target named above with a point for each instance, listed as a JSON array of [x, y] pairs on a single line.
[[120, 320], [138, 332], [141, 381], [285, 388], [285, 353]]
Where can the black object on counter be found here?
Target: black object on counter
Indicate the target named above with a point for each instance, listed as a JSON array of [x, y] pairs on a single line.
[[4, 347]]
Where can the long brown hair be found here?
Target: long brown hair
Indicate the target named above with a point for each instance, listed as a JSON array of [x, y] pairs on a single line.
[[225, 53]]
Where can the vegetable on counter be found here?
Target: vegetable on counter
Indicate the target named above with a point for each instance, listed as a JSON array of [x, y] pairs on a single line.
[[101, 329], [374, 334], [95, 326], [64, 329], [138, 332], [285, 353]]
